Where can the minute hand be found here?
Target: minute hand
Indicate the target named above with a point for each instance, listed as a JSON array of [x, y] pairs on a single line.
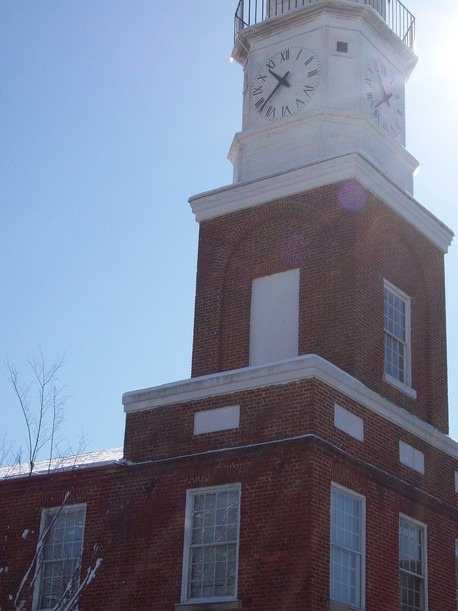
[[275, 89]]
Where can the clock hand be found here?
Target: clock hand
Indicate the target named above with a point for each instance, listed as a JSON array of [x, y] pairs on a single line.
[[385, 98], [280, 79], [272, 93]]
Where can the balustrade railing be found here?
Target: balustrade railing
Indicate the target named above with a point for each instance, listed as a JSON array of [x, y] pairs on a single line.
[[399, 19]]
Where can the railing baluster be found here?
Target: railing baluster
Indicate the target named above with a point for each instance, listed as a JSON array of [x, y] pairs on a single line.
[[397, 16]]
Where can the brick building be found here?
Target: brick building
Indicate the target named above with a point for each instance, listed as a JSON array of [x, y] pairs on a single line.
[[306, 464]]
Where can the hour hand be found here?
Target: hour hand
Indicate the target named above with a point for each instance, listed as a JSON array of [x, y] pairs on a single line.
[[281, 79], [386, 98], [274, 91]]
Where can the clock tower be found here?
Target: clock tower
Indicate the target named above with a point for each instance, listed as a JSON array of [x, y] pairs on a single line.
[[306, 464], [308, 451], [322, 80], [323, 185]]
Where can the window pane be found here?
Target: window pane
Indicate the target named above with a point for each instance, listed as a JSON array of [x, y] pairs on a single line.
[[411, 564], [346, 548], [213, 547], [396, 335], [61, 557]]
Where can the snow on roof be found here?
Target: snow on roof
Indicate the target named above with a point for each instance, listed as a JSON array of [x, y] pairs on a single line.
[[64, 463]]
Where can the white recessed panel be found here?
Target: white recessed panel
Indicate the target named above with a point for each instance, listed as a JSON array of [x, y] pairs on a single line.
[[411, 457], [274, 322], [220, 419], [348, 423]]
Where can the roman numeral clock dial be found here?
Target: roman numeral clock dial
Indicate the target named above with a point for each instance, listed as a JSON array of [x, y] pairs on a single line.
[[384, 97], [285, 83]]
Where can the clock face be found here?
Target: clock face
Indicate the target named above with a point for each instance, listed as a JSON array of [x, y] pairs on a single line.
[[285, 83], [384, 96]]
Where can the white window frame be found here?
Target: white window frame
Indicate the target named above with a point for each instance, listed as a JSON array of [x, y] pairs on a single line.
[[191, 495], [45, 532], [421, 576], [403, 382], [359, 554]]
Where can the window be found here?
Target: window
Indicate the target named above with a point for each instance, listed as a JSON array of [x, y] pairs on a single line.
[[62, 530], [347, 544], [274, 320], [211, 544], [412, 565], [397, 335]]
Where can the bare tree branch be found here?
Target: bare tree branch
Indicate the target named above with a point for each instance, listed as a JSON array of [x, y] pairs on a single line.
[[43, 416], [37, 558]]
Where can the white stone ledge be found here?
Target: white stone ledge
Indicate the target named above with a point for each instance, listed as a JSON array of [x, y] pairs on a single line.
[[309, 366], [329, 171]]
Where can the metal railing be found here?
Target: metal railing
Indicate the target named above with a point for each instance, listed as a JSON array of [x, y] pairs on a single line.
[[398, 18]]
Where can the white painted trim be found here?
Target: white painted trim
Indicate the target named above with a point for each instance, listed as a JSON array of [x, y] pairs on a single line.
[[353, 166], [402, 386], [424, 528], [187, 542], [315, 136], [407, 390], [309, 366], [41, 547], [362, 498]]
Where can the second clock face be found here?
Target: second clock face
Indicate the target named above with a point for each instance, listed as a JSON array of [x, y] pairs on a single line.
[[285, 83], [384, 96]]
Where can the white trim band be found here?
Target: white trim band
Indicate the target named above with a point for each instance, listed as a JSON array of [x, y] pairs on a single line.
[[309, 366], [352, 166]]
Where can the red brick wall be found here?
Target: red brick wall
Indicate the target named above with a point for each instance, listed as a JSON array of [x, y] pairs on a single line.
[[136, 517], [344, 255], [305, 407]]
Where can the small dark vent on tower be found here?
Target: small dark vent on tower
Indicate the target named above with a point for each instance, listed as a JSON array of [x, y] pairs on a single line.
[[342, 47]]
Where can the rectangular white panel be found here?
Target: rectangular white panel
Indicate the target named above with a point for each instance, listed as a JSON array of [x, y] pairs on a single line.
[[220, 419], [274, 322], [411, 457], [349, 423]]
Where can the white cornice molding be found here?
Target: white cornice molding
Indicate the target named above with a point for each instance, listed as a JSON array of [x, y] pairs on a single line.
[[309, 366], [352, 166], [316, 136]]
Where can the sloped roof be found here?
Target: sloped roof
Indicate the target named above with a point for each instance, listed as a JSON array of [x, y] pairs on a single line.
[[64, 463]]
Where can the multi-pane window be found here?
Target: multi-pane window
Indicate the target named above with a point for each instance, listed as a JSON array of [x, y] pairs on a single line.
[[412, 565], [211, 544], [62, 531], [397, 334], [347, 545]]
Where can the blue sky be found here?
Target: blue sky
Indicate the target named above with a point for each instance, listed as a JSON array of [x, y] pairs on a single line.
[[113, 113]]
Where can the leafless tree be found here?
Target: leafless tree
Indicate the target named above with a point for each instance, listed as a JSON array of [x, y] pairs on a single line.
[[72, 587], [42, 401]]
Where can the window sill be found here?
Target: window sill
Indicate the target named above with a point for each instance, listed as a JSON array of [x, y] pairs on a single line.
[[407, 390], [333, 606], [210, 606]]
